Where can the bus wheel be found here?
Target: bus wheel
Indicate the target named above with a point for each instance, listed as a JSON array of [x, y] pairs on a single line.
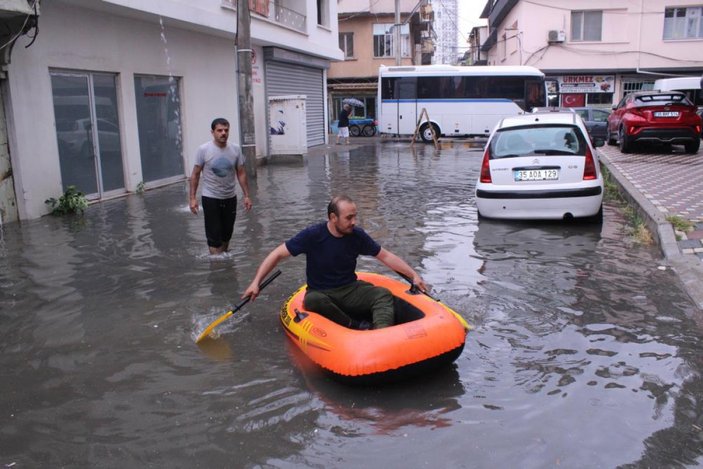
[[426, 132], [354, 130], [368, 131]]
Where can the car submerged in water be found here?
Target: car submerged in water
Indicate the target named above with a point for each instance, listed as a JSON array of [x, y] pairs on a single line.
[[540, 166]]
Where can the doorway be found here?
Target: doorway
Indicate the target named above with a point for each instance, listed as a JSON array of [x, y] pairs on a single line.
[[88, 132]]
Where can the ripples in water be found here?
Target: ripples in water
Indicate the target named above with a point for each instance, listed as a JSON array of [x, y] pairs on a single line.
[[584, 354]]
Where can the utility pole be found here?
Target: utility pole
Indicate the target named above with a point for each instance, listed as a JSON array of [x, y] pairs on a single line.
[[247, 135], [397, 33]]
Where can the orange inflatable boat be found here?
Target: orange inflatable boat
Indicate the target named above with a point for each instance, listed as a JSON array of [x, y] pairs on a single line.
[[427, 335]]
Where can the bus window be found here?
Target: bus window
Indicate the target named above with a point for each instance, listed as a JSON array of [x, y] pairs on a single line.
[[427, 87], [406, 88], [387, 88], [512, 88]]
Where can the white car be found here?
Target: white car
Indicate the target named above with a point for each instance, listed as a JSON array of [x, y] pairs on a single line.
[[540, 166]]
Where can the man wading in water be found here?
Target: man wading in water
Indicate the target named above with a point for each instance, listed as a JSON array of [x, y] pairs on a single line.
[[220, 163]]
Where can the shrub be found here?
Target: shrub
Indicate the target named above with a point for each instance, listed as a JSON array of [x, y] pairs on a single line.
[[72, 201]]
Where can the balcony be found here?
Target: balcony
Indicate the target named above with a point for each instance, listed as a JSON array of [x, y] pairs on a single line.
[[282, 12]]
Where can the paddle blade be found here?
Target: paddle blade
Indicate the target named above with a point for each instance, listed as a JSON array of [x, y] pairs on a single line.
[[208, 330]]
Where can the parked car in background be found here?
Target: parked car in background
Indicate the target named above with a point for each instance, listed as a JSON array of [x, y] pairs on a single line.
[[596, 120], [540, 166], [76, 136], [647, 117]]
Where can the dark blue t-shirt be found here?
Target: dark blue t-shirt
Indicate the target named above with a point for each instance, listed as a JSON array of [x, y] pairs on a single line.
[[330, 261], [343, 118]]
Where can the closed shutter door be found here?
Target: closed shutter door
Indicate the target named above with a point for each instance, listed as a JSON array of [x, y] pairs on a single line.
[[288, 79]]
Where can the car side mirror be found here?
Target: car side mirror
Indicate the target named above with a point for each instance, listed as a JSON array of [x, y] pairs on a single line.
[[598, 142]]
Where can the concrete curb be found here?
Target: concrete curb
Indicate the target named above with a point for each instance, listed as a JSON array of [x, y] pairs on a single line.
[[689, 269]]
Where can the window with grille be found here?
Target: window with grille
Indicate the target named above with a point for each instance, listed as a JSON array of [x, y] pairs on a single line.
[[384, 39], [586, 25], [346, 43], [630, 86], [683, 23]]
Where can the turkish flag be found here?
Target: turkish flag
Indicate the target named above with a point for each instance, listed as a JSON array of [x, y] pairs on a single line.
[[573, 100]]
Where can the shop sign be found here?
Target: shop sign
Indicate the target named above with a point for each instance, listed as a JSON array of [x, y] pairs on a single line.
[[587, 83]]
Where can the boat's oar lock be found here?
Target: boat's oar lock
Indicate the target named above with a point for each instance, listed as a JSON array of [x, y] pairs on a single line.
[[299, 316]]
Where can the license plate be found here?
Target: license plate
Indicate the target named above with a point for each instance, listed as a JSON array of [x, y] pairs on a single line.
[[536, 174], [666, 114]]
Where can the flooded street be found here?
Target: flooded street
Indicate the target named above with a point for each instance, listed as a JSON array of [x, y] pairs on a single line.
[[584, 354]]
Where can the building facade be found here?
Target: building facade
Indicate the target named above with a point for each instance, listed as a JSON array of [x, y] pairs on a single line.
[[368, 39], [596, 51], [113, 96], [446, 29]]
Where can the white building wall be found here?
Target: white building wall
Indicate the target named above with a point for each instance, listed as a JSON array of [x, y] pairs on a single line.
[[374, 6], [196, 43], [69, 39], [632, 37]]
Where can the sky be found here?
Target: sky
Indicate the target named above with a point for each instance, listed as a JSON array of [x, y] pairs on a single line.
[[468, 12]]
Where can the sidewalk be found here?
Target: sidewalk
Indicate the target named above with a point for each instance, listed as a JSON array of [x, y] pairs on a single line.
[[662, 184]]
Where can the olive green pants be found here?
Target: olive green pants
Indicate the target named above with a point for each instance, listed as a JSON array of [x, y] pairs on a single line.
[[358, 301]]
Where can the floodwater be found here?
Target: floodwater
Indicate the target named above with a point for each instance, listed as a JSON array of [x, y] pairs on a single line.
[[585, 353]]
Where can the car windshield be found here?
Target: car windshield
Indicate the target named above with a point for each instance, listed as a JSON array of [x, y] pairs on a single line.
[[538, 140]]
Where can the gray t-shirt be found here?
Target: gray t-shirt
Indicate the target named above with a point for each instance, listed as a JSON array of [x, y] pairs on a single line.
[[219, 169]]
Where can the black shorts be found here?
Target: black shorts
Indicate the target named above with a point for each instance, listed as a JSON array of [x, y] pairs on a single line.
[[220, 215]]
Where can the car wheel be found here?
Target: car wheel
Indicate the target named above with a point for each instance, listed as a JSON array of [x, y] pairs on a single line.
[[609, 137], [354, 130], [426, 132], [368, 131], [624, 141], [693, 147]]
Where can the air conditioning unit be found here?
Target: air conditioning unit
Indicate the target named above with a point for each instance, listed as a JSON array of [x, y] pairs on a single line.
[[556, 36]]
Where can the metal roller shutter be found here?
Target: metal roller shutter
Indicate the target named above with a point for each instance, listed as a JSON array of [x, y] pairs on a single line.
[[289, 79]]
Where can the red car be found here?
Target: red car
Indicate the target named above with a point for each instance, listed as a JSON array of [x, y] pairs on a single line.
[[654, 116]]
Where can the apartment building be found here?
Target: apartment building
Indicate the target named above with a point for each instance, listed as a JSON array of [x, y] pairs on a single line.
[[369, 38], [113, 96], [446, 29], [596, 51]]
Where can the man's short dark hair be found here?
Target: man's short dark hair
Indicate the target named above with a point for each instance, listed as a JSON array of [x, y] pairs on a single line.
[[219, 121], [333, 206]]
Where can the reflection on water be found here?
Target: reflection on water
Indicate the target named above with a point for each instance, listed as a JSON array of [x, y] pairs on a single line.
[[585, 353]]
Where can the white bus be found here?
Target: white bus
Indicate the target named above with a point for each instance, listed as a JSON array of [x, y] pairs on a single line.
[[460, 101], [689, 85]]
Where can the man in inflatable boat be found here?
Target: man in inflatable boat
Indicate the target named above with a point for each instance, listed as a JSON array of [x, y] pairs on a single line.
[[331, 249]]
